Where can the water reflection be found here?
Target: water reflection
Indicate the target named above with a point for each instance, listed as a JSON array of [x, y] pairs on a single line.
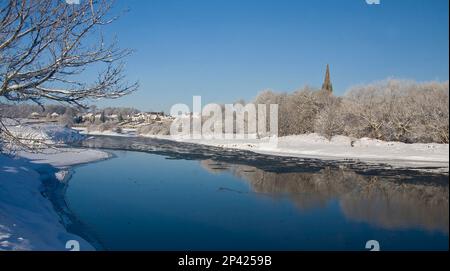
[[386, 202], [375, 194]]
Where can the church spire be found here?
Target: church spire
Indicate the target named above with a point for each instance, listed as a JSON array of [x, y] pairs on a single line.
[[327, 86]]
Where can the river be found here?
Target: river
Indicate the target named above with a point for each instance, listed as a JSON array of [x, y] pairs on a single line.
[[163, 195]]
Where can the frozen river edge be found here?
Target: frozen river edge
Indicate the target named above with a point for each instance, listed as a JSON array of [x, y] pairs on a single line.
[[33, 214]]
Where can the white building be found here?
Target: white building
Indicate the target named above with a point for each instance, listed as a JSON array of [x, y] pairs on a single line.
[[35, 115], [113, 117]]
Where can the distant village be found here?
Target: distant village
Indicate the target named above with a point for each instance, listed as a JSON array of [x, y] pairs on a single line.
[[85, 119]]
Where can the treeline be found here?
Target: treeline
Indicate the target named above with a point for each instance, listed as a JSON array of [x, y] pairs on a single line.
[[391, 110]]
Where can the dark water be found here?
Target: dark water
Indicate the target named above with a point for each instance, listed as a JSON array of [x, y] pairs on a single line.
[[175, 196]]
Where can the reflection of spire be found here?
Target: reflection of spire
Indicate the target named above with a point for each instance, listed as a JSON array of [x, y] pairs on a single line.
[[327, 86]]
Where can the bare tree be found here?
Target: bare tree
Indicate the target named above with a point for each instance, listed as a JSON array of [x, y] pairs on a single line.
[[368, 106], [46, 45], [329, 121], [433, 107], [398, 110]]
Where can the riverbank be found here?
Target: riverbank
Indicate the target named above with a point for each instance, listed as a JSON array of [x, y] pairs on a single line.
[[28, 219], [396, 154]]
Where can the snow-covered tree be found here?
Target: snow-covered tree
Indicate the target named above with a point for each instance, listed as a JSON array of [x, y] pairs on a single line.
[[46, 45]]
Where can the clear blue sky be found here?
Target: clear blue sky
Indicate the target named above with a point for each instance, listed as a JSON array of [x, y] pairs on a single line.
[[224, 50]]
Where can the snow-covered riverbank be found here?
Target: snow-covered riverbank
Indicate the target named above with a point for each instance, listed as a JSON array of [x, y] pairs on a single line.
[[342, 147], [28, 221], [338, 148]]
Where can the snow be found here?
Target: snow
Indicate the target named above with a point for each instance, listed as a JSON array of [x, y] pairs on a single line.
[[65, 157], [368, 150], [339, 148], [28, 220], [48, 133]]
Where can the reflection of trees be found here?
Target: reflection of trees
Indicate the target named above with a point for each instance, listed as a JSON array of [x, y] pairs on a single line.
[[387, 203]]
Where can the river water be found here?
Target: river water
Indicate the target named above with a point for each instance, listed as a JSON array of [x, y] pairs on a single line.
[[162, 195]]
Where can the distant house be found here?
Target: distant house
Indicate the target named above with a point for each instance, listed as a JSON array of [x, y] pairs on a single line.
[[138, 117], [113, 117], [153, 117], [156, 113], [35, 115], [88, 117], [147, 117]]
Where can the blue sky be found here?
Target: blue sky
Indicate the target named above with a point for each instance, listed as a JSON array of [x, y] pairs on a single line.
[[224, 50]]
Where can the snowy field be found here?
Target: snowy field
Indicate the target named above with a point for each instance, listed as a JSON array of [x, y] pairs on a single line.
[[28, 220]]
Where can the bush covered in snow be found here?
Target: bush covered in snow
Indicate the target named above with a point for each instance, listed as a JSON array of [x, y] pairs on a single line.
[[39, 136], [102, 126], [156, 128]]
